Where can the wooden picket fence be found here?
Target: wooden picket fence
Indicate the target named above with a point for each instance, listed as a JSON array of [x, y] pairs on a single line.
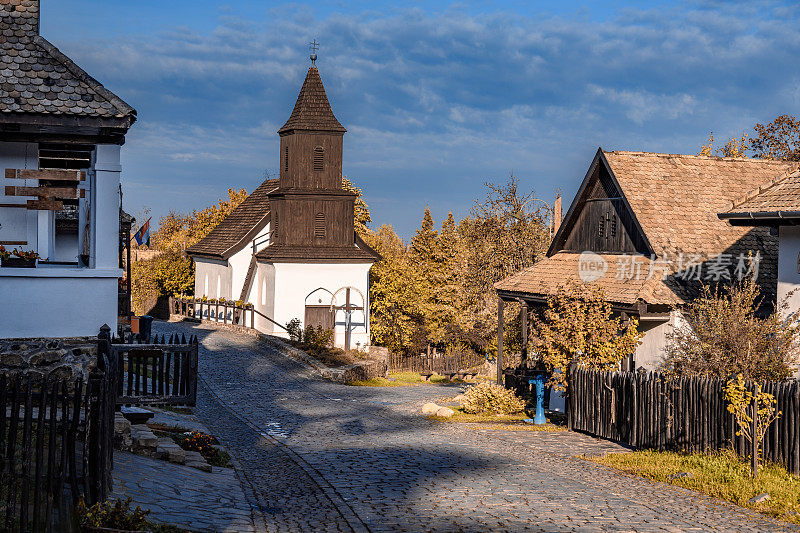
[[441, 364], [648, 410], [157, 370], [56, 447]]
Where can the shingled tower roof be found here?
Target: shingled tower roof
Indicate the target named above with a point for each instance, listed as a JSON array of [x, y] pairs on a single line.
[[312, 111]]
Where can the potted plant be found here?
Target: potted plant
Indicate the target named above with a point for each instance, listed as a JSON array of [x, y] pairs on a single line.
[[20, 259]]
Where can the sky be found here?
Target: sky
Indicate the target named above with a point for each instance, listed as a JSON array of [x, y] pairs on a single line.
[[438, 98]]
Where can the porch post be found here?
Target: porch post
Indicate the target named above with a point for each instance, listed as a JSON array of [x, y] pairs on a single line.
[[523, 312], [500, 305]]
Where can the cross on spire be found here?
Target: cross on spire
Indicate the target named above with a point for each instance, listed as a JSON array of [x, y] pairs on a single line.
[[313, 46]]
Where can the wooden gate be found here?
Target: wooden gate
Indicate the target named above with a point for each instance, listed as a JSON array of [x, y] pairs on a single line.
[[163, 372]]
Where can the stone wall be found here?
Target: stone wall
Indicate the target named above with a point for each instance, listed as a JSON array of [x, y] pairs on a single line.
[[57, 357]]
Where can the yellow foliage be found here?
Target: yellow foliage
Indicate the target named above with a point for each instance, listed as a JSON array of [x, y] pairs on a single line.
[[491, 398], [740, 404]]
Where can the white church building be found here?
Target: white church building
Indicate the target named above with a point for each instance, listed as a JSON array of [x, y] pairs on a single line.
[[290, 249]]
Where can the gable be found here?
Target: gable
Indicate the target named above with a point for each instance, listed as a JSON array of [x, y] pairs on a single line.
[[600, 218]]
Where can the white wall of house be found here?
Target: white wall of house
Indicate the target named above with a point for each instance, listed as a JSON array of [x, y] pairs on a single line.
[[66, 247], [650, 352], [240, 262], [294, 283], [212, 278], [788, 266], [59, 301]]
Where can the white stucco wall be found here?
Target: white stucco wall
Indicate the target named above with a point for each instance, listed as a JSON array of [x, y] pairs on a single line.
[[788, 278], [58, 302], [650, 352], [295, 282], [212, 278], [18, 224]]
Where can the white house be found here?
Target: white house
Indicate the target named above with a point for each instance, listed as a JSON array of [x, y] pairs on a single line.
[[60, 138], [290, 248], [644, 228]]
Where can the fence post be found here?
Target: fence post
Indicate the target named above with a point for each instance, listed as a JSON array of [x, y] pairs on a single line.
[[103, 342], [754, 432]]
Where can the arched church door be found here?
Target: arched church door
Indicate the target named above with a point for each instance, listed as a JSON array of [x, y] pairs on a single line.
[[318, 310]]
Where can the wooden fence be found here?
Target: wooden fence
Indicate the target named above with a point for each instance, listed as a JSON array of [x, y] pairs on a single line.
[[56, 446], [648, 410], [441, 364], [156, 370]]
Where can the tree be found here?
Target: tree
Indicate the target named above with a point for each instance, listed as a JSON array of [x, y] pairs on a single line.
[[579, 325], [362, 215], [733, 147], [722, 337], [780, 139]]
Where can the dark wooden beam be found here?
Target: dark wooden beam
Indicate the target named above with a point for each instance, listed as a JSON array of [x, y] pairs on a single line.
[[500, 305], [49, 174], [523, 321]]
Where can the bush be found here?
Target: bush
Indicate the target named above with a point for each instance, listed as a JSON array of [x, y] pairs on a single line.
[[318, 337], [490, 398], [295, 330], [113, 514]]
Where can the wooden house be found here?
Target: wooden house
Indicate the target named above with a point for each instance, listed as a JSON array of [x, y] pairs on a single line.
[[60, 137], [290, 248], [644, 228]]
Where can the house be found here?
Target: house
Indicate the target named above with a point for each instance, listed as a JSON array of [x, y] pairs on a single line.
[[61, 133], [775, 205], [644, 228], [290, 248]]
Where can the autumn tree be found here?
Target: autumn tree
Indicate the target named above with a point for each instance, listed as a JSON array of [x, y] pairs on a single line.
[[722, 336], [780, 139], [579, 325]]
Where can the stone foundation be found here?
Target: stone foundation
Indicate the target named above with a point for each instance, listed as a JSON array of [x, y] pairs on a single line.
[[69, 357]]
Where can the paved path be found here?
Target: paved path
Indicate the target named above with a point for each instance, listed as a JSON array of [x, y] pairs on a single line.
[[326, 457]]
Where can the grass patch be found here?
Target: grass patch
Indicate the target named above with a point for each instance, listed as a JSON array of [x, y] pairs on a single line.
[[490, 421], [721, 474]]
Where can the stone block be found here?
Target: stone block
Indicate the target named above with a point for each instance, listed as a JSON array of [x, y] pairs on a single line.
[[430, 408], [169, 451], [445, 412]]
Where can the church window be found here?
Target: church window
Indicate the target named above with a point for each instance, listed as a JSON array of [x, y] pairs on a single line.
[[286, 159], [601, 227], [613, 225], [319, 159], [319, 226]]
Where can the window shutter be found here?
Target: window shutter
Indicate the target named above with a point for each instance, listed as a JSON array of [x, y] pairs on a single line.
[[319, 159], [613, 221], [601, 226], [286, 159], [319, 226]]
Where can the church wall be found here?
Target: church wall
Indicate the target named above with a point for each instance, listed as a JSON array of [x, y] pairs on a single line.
[[262, 295], [240, 262], [295, 282], [212, 278]]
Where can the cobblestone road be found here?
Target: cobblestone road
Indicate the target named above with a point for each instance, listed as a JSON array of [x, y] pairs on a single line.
[[318, 456]]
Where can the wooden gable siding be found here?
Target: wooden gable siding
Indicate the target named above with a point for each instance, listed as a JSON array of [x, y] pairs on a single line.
[[300, 173], [302, 216], [602, 221]]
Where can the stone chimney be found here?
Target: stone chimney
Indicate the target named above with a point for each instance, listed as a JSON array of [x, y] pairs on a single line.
[[19, 19]]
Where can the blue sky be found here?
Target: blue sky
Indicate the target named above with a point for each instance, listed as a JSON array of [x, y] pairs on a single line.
[[438, 97]]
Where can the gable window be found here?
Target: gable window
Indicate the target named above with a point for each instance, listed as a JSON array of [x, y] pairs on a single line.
[[613, 225], [286, 159], [319, 159], [601, 227], [319, 226]]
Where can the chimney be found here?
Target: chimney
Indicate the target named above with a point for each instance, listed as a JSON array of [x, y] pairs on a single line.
[[556, 215], [19, 19]]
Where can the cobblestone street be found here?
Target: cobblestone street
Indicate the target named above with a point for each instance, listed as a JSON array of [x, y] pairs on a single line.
[[318, 456]]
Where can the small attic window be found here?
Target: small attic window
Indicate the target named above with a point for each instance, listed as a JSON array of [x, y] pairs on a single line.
[[319, 226], [601, 226], [319, 159], [286, 159], [612, 225]]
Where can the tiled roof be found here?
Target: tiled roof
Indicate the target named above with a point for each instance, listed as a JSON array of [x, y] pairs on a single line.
[[779, 195], [35, 77], [676, 198], [235, 227], [619, 285], [312, 111], [277, 253]]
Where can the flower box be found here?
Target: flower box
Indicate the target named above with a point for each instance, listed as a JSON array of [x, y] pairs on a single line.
[[18, 262]]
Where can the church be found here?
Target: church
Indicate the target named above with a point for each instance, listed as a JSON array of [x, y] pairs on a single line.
[[290, 248]]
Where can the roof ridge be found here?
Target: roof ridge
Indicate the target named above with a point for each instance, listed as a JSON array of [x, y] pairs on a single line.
[[749, 195], [122, 107], [697, 156]]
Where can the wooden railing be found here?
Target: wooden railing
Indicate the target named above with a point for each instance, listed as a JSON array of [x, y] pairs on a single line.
[[56, 447], [224, 312], [648, 410], [155, 371], [439, 363]]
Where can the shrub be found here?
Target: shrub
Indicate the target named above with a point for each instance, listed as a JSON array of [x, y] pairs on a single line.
[[113, 514], [723, 336], [295, 330], [318, 337], [490, 398]]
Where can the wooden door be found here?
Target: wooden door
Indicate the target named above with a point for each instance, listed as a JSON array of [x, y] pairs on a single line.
[[319, 315]]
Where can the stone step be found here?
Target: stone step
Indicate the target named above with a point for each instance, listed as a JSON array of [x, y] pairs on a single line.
[[169, 451]]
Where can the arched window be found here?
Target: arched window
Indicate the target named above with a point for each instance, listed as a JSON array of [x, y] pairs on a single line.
[[319, 226], [319, 159]]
